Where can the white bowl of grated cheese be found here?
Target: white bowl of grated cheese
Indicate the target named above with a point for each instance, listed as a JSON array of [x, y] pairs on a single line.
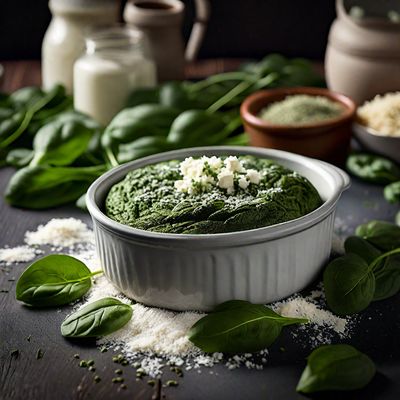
[[375, 142], [378, 126], [199, 271]]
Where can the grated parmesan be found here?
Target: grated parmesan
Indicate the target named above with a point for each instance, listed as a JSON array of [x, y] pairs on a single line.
[[156, 338], [19, 254], [382, 114], [60, 232]]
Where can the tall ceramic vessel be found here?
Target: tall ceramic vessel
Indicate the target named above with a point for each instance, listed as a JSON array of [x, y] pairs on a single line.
[[363, 55], [64, 40], [161, 21]]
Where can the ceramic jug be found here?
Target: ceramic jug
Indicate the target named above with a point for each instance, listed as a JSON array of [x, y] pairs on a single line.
[[161, 22], [64, 40], [363, 54]]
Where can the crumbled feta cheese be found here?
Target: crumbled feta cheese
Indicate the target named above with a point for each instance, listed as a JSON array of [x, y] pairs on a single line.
[[199, 175], [253, 176], [225, 179], [233, 164], [214, 162], [243, 183]]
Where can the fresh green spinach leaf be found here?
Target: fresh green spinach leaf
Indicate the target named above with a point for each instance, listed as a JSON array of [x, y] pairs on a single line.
[[142, 147], [132, 123], [362, 248], [349, 284], [44, 187], [19, 157], [60, 143], [143, 96], [384, 235], [239, 326], [336, 367], [99, 318], [54, 280], [196, 126], [373, 168], [387, 279], [31, 101], [392, 192], [81, 203]]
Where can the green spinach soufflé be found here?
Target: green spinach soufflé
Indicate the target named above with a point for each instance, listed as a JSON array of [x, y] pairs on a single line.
[[210, 195]]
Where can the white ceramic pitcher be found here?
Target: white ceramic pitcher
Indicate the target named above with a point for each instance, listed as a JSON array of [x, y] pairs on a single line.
[[161, 21]]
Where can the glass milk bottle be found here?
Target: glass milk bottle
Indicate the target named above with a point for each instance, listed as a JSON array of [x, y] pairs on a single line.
[[64, 40], [114, 64]]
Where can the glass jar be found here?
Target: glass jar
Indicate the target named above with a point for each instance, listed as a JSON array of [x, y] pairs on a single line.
[[115, 63], [64, 41]]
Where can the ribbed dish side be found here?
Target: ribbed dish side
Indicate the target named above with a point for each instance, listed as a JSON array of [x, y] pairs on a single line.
[[196, 279]]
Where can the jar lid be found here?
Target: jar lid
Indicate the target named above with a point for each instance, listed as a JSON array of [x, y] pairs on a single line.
[[113, 38]]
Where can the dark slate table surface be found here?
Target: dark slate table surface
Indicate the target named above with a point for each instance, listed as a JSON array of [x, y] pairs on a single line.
[[58, 376]]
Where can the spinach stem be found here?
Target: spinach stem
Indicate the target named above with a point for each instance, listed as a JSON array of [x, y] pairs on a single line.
[[96, 272], [227, 76], [381, 257], [111, 157], [229, 128], [227, 97], [372, 266], [25, 122]]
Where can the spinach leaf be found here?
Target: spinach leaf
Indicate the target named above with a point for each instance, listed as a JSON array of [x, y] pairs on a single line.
[[373, 168], [239, 326], [349, 284], [384, 235], [392, 192], [362, 248], [99, 318], [174, 94], [26, 96], [132, 123], [29, 101], [54, 280], [194, 127], [43, 186], [387, 272], [143, 96], [336, 367], [81, 203], [387, 279], [60, 143], [9, 125], [142, 147], [19, 157]]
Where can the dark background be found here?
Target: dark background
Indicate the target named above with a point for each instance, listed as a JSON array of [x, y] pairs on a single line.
[[237, 28]]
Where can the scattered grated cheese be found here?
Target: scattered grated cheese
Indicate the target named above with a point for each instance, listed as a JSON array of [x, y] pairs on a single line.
[[19, 254], [156, 338], [60, 232], [300, 307]]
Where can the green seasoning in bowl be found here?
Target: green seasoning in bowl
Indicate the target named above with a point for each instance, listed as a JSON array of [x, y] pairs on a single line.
[[210, 195], [301, 109]]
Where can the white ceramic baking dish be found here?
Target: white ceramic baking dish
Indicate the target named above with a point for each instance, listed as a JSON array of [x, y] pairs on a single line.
[[197, 272]]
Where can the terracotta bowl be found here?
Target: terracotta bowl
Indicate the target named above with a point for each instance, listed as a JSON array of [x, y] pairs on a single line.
[[328, 140]]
